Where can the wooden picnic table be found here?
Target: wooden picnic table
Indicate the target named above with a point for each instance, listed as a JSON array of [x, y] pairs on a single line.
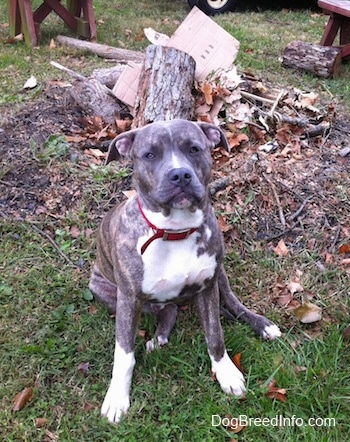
[[78, 16], [339, 22]]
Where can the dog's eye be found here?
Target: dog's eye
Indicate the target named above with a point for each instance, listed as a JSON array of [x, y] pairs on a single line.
[[149, 155], [194, 149]]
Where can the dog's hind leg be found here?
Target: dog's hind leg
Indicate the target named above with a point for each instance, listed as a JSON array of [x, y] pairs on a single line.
[[166, 317], [261, 325], [103, 290]]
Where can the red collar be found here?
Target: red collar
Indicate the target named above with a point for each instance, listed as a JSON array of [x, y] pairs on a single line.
[[166, 235]]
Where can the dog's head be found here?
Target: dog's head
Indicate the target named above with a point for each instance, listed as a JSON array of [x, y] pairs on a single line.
[[172, 161]]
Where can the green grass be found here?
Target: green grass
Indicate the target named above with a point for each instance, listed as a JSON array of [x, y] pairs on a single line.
[[49, 324], [47, 330]]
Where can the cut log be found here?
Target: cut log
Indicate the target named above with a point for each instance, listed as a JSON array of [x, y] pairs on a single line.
[[108, 76], [122, 55], [323, 61], [95, 99], [165, 86]]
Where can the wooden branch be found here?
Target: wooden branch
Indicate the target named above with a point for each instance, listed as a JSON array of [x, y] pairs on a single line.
[[69, 71], [53, 243], [301, 208], [104, 51], [280, 210]]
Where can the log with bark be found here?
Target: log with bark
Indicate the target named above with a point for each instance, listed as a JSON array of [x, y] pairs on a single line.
[[324, 61], [93, 97], [165, 86], [122, 55]]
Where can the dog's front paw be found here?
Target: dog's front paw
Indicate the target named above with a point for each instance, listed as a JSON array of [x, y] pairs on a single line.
[[154, 343], [115, 406], [263, 327], [229, 377], [271, 332]]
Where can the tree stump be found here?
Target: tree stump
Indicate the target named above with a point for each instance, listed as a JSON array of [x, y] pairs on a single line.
[[165, 86], [323, 61]]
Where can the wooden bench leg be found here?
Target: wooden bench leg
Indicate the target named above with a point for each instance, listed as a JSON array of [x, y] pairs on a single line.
[[331, 31], [28, 25], [89, 16], [14, 18]]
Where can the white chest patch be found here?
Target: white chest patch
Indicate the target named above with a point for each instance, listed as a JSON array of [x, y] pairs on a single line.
[[171, 265]]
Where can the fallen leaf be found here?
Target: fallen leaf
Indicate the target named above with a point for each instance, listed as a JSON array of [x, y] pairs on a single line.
[[274, 392], [207, 91], [74, 231], [129, 193], [308, 313], [40, 422], [237, 139], [92, 309], [281, 249], [237, 361], [298, 369], [344, 248], [234, 426], [224, 227], [295, 287], [31, 83], [83, 367], [21, 399]]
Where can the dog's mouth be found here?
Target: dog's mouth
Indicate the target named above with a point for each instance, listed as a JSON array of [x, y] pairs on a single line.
[[182, 201]]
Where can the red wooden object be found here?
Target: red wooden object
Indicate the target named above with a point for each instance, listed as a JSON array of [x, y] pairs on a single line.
[[78, 16], [339, 21]]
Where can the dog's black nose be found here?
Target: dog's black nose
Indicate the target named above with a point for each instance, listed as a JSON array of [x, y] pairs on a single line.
[[180, 176]]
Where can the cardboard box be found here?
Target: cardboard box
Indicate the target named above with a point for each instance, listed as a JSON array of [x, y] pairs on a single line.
[[210, 45]]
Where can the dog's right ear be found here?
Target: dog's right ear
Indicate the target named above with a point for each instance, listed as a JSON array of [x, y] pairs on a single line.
[[121, 146]]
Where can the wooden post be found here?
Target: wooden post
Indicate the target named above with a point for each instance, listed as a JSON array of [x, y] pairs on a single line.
[[165, 86]]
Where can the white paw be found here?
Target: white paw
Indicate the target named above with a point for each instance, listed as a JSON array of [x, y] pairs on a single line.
[[271, 332], [152, 344], [115, 405], [229, 377]]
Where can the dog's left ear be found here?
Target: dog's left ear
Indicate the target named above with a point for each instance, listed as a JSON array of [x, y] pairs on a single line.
[[121, 145], [214, 134]]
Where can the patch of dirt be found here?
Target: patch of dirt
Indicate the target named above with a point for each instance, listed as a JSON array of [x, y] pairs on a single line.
[[301, 196]]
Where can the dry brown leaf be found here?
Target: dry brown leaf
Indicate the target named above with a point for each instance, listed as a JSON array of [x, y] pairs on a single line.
[[83, 367], [74, 138], [21, 399], [207, 91], [40, 422], [274, 392], [74, 231], [92, 309], [224, 227], [237, 139], [237, 361], [281, 249], [308, 313], [295, 287], [235, 426], [344, 248]]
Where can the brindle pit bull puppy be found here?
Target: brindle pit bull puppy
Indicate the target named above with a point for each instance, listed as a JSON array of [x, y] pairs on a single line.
[[163, 247]]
